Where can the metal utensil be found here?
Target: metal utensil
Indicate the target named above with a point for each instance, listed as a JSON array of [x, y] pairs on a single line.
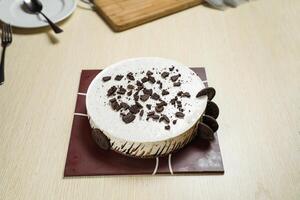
[[6, 40], [35, 6]]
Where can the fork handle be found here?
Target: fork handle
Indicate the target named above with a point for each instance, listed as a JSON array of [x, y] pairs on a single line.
[[2, 66], [55, 28]]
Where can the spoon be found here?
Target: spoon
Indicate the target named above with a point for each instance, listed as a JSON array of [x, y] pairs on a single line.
[[35, 6]]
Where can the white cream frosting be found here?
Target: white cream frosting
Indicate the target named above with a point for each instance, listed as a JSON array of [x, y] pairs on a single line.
[[141, 130]]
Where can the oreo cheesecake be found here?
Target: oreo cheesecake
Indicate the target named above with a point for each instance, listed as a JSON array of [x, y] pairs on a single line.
[[145, 107]]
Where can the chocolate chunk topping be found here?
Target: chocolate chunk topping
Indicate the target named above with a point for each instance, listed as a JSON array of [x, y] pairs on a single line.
[[141, 113], [144, 97], [167, 127], [112, 100], [151, 79], [106, 78], [155, 96], [144, 80], [147, 91], [136, 97], [180, 93], [159, 108], [162, 103], [174, 121], [171, 68], [177, 84], [111, 90], [140, 87], [186, 94], [159, 83], [130, 87], [139, 83], [165, 74], [175, 77], [149, 73], [179, 114], [129, 93], [130, 76], [134, 109], [138, 105], [148, 106], [124, 105], [119, 77], [129, 117], [118, 97], [150, 113], [165, 92], [154, 117], [165, 118], [173, 101], [121, 90], [115, 106]]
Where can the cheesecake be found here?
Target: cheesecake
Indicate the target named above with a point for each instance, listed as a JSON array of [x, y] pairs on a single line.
[[146, 107]]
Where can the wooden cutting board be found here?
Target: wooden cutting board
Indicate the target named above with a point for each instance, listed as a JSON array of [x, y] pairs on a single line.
[[125, 14]]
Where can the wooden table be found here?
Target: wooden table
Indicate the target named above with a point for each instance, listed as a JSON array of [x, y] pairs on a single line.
[[252, 58]]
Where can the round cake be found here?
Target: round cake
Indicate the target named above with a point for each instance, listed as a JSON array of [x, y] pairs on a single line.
[[145, 107]]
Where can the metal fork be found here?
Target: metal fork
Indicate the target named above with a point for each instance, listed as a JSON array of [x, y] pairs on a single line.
[[6, 39]]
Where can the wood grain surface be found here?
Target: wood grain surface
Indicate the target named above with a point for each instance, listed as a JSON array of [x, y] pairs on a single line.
[[251, 55], [125, 14]]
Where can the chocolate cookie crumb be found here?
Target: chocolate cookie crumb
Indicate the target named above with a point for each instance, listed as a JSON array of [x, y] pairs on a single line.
[[130, 76], [174, 78], [130, 87], [155, 117], [167, 127], [111, 90], [155, 96], [138, 105], [149, 73], [134, 109], [112, 100], [174, 121], [129, 117], [150, 113], [141, 113], [148, 106], [144, 97], [148, 91], [177, 84], [151, 79], [119, 77], [121, 90], [159, 109], [106, 78], [129, 93], [165, 92], [144, 80], [186, 94], [124, 105], [179, 114], [165, 74], [171, 68]]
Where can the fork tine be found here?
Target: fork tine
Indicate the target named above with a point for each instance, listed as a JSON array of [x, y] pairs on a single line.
[[9, 33]]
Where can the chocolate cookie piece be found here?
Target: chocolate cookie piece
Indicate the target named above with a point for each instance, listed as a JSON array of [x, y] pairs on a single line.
[[138, 105], [155, 117], [165, 118], [144, 97], [210, 92], [179, 114], [174, 121], [162, 103], [174, 78], [205, 132], [148, 91], [111, 90], [106, 78], [164, 92], [165, 74], [119, 77], [151, 79], [141, 113], [159, 109], [211, 122], [150, 113], [134, 109], [129, 93], [121, 90], [124, 105], [101, 139], [186, 94], [144, 79], [112, 100], [149, 73], [176, 84], [128, 118], [130, 76], [130, 87], [212, 109], [115, 106], [167, 127], [171, 68], [148, 106], [155, 96]]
